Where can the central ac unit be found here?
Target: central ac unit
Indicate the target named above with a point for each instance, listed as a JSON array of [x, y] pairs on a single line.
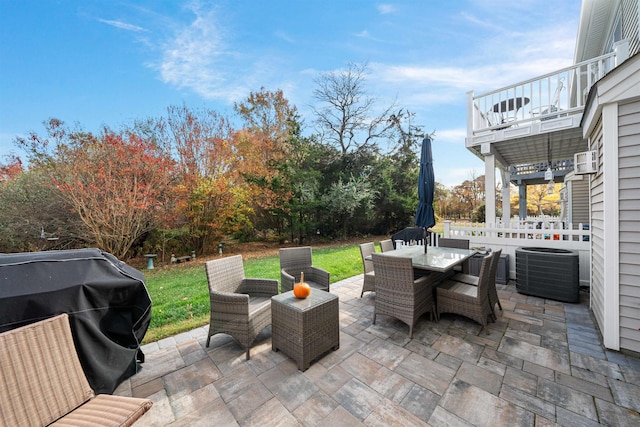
[[585, 162]]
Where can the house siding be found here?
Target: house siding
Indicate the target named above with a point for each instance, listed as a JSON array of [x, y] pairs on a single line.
[[629, 199], [597, 232], [630, 25]]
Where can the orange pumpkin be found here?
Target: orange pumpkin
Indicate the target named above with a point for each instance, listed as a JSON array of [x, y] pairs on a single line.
[[301, 289]]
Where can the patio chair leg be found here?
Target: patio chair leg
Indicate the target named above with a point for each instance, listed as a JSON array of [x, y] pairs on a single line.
[[248, 356]]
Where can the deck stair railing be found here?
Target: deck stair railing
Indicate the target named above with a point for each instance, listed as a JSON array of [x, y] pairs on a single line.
[[560, 167]]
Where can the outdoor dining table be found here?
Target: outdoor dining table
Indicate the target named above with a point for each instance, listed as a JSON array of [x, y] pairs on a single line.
[[436, 258]]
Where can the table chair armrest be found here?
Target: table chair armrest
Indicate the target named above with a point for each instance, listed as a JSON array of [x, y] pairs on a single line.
[[227, 302], [258, 287]]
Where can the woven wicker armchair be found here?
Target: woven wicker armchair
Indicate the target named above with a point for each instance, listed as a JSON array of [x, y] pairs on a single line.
[[369, 281], [293, 261], [398, 294], [386, 245], [473, 280], [468, 300], [240, 307]]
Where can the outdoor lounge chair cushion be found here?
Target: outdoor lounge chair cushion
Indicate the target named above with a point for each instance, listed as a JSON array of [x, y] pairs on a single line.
[[42, 381]]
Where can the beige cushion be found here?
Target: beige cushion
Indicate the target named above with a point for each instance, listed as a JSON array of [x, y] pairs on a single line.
[[41, 380], [106, 410], [460, 288], [40, 375]]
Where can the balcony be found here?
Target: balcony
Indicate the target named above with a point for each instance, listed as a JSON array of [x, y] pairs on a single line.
[[537, 120]]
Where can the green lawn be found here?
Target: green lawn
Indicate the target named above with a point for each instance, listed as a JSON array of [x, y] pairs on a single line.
[[180, 293]]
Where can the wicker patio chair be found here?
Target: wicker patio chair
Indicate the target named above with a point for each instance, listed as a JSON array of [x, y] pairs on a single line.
[[473, 280], [240, 307], [386, 245], [468, 300], [398, 294], [369, 281], [293, 261], [456, 243], [42, 381]]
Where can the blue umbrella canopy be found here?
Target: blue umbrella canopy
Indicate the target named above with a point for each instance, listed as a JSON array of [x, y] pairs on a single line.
[[425, 217]]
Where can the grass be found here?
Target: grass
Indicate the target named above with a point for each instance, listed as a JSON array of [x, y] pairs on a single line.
[[180, 293]]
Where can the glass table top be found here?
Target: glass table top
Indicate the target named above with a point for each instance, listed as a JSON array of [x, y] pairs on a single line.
[[436, 258]]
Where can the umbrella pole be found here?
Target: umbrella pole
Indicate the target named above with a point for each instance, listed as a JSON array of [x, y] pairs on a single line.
[[425, 240]]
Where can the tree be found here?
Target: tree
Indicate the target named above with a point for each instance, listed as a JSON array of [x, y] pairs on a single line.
[[34, 216], [211, 195], [442, 198], [11, 168], [539, 201], [344, 198], [269, 123], [116, 183], [468, 196], [346, 118]]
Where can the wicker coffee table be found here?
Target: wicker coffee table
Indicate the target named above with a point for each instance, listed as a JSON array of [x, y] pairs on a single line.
[[304, 329]]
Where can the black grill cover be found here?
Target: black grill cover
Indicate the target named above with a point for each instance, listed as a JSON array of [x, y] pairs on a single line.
[[409, 234], [107, 301]]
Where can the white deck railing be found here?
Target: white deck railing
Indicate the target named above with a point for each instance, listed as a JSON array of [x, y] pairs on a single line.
[[546, 232], [557, 94]]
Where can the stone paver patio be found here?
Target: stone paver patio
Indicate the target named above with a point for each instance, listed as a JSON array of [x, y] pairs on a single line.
[[542, 364]]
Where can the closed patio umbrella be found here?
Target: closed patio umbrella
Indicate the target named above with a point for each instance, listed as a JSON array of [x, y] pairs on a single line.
[[425, 217]]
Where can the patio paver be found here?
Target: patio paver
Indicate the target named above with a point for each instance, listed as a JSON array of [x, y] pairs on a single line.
[[543, 363]]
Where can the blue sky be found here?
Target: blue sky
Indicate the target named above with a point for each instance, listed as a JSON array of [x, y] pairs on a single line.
[[108, 62]]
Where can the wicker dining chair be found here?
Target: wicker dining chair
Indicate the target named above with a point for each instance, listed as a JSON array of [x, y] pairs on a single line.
[[386, 245], [240, 307], [473, 280], [468, 300], [398, 294], [456, 243], [369, 280], [294, 261]]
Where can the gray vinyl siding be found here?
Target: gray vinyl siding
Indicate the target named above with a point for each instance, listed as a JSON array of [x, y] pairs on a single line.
[[630, 25], [580, 201], [629, 199], [597, 232]]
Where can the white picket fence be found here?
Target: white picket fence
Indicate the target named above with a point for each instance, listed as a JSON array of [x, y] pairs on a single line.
[[542, 232]]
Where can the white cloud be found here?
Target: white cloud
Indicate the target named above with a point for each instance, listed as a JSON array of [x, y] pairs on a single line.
[[123, 25], [385, 9], [489, 24], [451, 136], [200, 58], [284, 36], [193, 58]]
